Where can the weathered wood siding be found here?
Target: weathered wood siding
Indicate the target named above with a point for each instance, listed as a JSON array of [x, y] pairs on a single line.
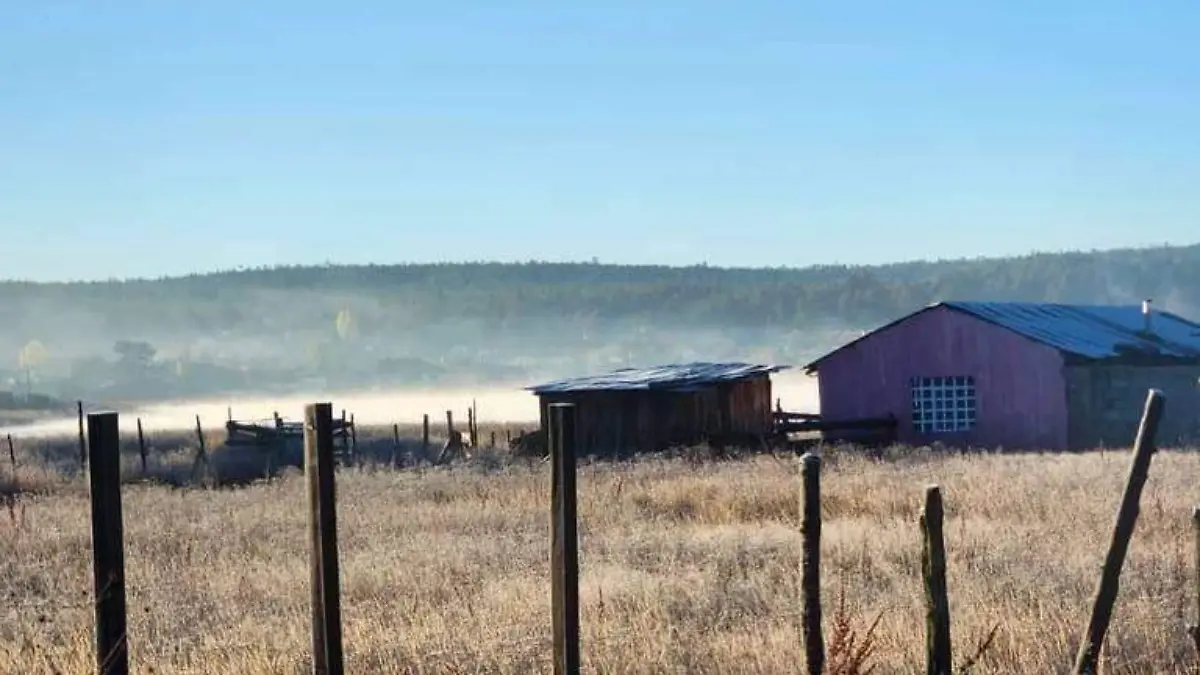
[[1020, 387], [622, 421], [1105, 403]]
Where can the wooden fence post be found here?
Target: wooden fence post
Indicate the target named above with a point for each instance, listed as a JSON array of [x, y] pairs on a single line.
[[12, 456], [346, 441], [564, 554], [201, 452], [326, 591], [937, 601], [1194, 629], [449, 423], [141, 444], [471, 425], [108, 546], [353, 439], [83, 452], [810, 566], [395, 445], [1086, 661], [425, 436]]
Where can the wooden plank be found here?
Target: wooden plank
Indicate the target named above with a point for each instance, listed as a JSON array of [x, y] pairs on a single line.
[[326, 591], [108, 545], [564, 540]]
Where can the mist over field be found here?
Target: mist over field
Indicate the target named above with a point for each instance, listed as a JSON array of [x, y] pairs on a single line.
[[495, 404]]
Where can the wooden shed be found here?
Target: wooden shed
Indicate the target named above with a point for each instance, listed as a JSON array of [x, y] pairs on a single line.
[[649, 409]]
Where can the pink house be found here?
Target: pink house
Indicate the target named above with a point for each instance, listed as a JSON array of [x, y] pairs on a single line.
[[1019, 375]]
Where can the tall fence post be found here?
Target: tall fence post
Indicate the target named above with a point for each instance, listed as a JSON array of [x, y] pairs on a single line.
[[564, 554], [108, 545], [937, 600], [472, 440], [346, 441], [12, 456], [1087, 660], [810, 565], [395, 445], [425, 436], [1194, 629], [326, 591], [83, 452]]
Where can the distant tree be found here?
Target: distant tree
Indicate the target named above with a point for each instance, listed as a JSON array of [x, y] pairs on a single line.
[[344, 324], [33, 355]]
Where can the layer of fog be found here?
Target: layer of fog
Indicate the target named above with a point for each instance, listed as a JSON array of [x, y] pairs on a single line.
[[511, 404]]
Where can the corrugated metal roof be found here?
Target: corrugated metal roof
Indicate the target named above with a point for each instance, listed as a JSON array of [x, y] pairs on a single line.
[[675, 377], [1092, 331], [1087, 331]]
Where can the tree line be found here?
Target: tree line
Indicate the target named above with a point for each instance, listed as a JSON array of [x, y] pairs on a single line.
[[510, 295]]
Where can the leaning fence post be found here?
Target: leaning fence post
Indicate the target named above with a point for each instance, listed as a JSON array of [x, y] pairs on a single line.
[[810, 565], [141, 445], [326, 592], [12, 456], [937, 601], [564, 552], [108, 547], [201, 452], [1110, 577]]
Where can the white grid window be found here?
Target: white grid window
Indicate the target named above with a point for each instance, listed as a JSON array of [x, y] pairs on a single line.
[[943, 404]]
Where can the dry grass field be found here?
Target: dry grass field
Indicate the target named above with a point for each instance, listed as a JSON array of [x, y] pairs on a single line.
[[687, 567]]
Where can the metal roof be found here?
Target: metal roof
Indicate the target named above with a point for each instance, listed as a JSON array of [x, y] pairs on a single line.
[[673, 377], [1086, 331], [1092, 331]]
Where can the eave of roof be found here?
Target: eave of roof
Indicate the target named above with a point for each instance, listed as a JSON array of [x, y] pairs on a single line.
[[673, 377]]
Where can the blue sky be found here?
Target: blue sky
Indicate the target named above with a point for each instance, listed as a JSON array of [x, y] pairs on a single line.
[[146, 138]]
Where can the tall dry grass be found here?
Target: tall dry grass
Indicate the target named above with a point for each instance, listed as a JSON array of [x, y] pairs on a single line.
[[686, 567]]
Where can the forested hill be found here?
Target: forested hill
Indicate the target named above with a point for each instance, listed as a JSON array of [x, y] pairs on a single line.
[[710, 296]]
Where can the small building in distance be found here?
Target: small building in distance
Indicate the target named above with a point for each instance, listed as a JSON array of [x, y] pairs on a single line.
[[1019, 375], [650, 409]]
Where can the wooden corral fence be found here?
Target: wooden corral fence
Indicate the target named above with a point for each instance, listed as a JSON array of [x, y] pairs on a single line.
[[318, 432], [273, 442]]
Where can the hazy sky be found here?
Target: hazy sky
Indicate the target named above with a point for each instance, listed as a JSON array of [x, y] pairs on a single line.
[[142, 138]]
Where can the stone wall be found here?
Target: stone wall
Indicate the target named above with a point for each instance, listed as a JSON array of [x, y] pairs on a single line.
[[1105, 403]]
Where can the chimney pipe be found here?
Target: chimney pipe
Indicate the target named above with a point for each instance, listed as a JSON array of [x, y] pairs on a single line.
[[1146, 325]]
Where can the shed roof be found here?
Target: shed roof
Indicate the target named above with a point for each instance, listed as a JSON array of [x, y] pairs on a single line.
[[1085, 331], [672, 377]]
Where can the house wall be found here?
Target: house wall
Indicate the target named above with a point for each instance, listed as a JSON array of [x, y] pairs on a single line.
[[1106, 403], [1020, 389]]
